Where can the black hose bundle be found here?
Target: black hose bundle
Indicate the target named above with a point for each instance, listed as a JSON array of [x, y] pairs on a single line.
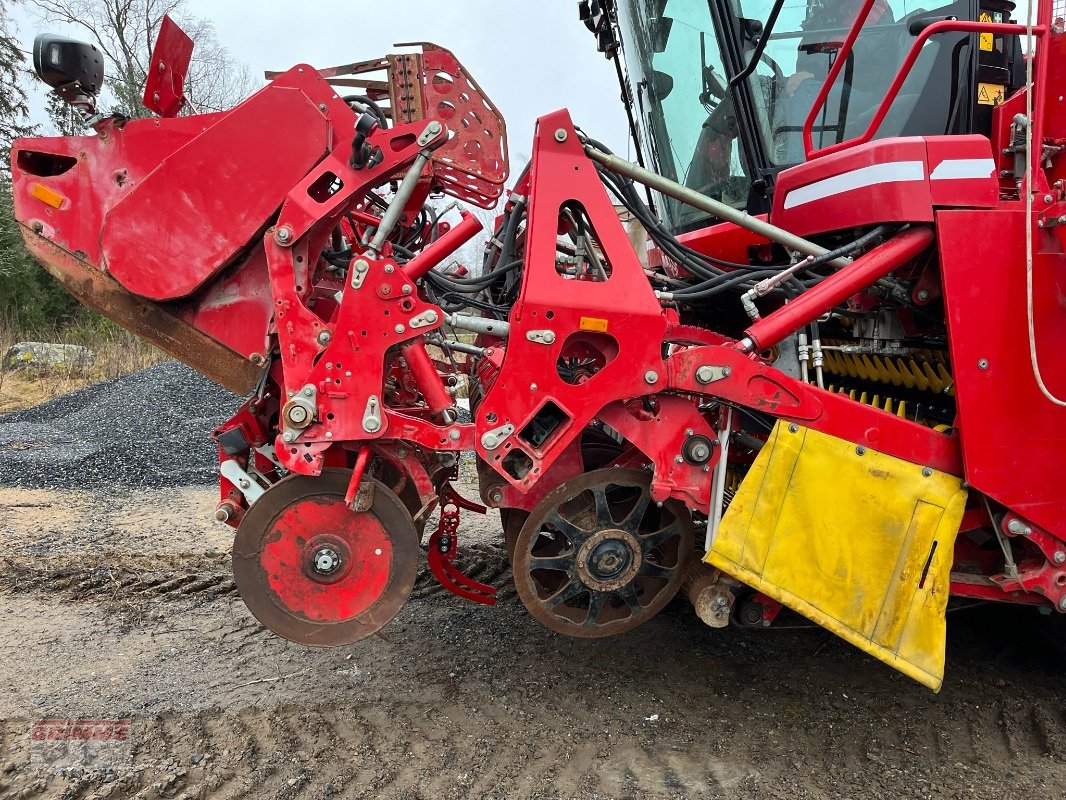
[[717, 274]]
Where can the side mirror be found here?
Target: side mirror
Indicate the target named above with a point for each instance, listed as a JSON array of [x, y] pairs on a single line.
[[74, 69], [661, 84]]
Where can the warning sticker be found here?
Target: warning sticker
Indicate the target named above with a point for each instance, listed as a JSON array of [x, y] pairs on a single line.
[[986, 39], [592, 324], [990, 94]]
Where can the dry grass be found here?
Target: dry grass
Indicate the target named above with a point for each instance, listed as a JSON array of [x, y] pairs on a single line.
[[117, 352]]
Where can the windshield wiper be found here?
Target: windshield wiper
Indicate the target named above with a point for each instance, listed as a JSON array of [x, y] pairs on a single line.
[[764, 37]]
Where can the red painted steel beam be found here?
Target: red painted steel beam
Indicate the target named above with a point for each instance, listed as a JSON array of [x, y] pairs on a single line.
[[745, 381], [441, 248], [426, 376], [835, 289]]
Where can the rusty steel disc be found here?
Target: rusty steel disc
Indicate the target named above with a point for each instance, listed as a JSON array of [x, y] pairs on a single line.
[[317, 572], [597, 557]]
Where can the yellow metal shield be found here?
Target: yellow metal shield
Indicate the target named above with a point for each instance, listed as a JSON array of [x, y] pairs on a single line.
[[857, 541]]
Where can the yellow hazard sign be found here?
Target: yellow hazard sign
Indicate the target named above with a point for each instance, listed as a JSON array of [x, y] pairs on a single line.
[[986, 38], [990, 94]]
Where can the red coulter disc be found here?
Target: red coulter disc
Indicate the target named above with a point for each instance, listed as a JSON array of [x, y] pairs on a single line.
[[315, 571]]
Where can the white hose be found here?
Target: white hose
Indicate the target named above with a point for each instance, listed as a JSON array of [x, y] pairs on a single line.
[[1029, 203], [718, 478]]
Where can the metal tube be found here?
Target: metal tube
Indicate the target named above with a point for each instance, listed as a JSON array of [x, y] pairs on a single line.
[[693, 198], [718, 488], [468, 322], [463, 347], [814, 302], [396, 206], [438, 250], [426, 376]]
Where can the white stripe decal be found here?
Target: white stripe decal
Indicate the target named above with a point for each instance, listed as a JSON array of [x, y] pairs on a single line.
[[892, 172], [963, 168]]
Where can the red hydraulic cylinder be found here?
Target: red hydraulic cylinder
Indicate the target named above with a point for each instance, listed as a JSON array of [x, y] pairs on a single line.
[[835, 289], [437, 251], [426, 376]]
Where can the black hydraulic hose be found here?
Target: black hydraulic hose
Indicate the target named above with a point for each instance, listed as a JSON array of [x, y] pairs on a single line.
[[627, 101], [700, 263], [657, 234], [435, 225], [373, 107], [510, 232], [714, 286], [850, 247], [472, 285], [711, 288]]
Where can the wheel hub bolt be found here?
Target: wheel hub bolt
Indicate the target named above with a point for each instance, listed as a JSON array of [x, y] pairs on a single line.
[[697, 449], [609, 559], [325, 561]]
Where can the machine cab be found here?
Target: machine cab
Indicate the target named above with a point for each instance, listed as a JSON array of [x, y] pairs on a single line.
[[720, 90]]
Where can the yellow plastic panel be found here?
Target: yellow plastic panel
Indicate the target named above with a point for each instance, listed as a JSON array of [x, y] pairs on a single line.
[[862, 544]]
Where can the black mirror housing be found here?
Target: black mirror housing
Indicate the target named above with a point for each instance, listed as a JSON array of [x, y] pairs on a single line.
[[74, 69]]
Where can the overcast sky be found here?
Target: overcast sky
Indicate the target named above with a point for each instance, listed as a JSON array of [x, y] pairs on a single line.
[[530, 58]]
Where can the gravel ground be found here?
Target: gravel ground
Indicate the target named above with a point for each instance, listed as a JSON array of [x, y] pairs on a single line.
[[147, 429], [120, 604]]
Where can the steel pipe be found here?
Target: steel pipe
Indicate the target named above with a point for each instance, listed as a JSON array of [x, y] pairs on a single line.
[[441, 248], [814, 302], [690, 197], [396, 206]]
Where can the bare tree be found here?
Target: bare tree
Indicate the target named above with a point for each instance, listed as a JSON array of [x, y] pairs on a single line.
[[125, 31]]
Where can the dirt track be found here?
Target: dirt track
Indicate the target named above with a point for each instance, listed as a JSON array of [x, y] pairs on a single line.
[[123, 606]]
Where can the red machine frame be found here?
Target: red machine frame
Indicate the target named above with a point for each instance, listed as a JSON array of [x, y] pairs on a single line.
[[322, 348]]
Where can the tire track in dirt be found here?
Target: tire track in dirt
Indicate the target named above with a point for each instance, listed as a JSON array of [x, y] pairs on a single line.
[[427, 748], [531, 715], [195, 575]]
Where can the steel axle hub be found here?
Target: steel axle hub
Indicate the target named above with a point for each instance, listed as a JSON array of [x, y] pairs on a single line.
[[327, 558], [326, 561], [609, 560]]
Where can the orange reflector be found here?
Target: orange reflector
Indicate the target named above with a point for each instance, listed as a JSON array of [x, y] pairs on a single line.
[[592, 324], [50, 197]]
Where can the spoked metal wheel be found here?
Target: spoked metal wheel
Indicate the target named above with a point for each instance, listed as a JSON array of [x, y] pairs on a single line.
[[315, 571], [597, 557], [597, 450]]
